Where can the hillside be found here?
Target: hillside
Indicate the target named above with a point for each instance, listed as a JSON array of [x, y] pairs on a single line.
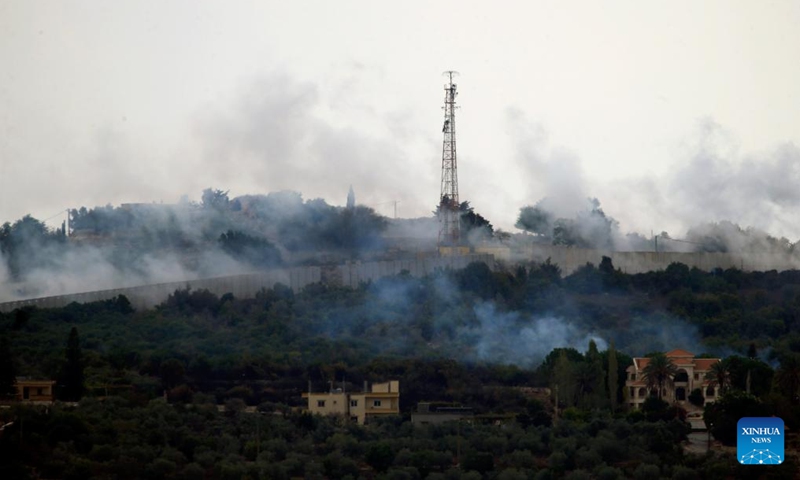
[[469, 337]]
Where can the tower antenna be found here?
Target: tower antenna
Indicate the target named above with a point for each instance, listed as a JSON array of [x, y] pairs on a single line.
[[449, 215]]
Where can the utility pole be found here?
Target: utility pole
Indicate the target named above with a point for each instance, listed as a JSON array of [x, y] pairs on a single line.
[[449, 218]]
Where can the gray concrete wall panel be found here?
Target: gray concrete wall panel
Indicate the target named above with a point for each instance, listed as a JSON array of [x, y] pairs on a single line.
[[352, 274]]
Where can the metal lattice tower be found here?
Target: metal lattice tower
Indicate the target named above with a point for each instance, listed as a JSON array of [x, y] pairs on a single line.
[[449, 215]]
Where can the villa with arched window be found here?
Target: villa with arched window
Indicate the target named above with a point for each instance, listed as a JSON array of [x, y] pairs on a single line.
[[691, 375]]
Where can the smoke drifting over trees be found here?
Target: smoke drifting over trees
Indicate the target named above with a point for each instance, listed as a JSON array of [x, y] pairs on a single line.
[[134, 244], [151, 243], [590, 228], [711, 182]]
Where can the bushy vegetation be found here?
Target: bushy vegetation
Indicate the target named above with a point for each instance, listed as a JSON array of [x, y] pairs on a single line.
[[591, 227], [151, 241], [123, 438], [152, 380]]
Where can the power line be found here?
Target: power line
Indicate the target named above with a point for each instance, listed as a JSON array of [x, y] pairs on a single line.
[[57, 214], [656, 237], [395, 202], [683, 241]]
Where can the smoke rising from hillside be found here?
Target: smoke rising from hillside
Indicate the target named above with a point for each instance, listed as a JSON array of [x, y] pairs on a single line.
[[755, 191], [524, 340], [5, 277], [140, 244], [107, 254], [280, 131], [712, 182], [553, 173], [90, 269], [509, 337], [483, 332], [659, 333]]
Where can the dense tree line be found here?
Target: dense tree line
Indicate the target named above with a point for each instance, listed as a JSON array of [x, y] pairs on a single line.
[[214, 237], [429, 333], [123, 438], [450, 315], [591, 227], [28, 244]]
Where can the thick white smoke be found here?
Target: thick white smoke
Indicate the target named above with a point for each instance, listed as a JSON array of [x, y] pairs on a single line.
[[510, 337]]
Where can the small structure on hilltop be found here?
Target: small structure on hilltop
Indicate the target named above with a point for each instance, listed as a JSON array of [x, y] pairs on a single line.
[[378, 400], [691, 374]]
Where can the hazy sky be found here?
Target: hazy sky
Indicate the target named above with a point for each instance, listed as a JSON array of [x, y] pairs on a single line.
[[671, 113]]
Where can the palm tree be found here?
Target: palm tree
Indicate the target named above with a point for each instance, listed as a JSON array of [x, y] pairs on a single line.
[[659, 371], [720, 376]]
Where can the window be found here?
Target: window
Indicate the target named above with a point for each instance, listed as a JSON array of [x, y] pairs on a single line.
[[353, 403], [376, 403], [697, 376], [680, 394], [633, 376], [321, 403], [710, 392]]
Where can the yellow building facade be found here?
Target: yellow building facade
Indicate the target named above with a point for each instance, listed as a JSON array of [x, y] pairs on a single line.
[[38, 391], [378, 400]]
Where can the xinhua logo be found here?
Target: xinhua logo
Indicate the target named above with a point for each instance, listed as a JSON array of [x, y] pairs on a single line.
[[760, 441]]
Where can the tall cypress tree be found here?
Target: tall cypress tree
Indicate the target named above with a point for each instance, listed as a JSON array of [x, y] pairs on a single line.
[[598, 397], [563, 381], [8, 373], [613, 375], [72, 377]]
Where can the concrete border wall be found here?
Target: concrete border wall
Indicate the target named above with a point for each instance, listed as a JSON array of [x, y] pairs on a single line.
[[352, 274], [147, 296], [570, 259], [247, 285]]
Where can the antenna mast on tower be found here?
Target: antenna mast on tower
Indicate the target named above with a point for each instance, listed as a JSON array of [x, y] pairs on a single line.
[[449, 217]]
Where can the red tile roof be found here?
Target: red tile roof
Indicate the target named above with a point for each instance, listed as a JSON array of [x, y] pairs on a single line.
[[679, 353], [641, 363], [680, 360], [704, 363]]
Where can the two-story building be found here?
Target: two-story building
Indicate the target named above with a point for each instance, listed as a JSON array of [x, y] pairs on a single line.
[[34, 391], [378, 400], [691, 374]]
